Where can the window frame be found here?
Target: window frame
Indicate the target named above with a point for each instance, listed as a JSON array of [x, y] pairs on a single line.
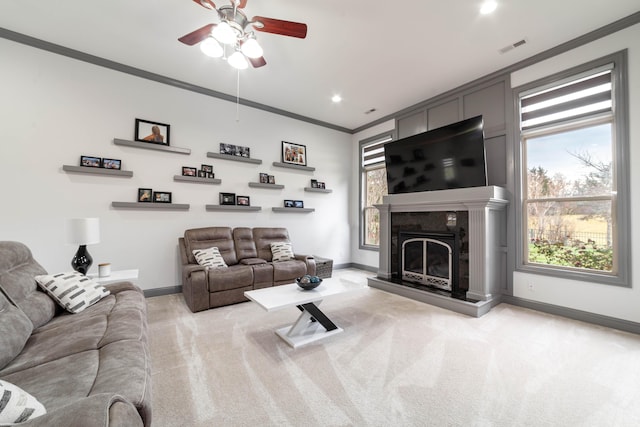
[[621, 205], [389, 137]]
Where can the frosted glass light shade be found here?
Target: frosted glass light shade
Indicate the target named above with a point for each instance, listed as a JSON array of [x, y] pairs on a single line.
[[238, 60], [252, 49], [84, 231], [211, 47], [224, 33]]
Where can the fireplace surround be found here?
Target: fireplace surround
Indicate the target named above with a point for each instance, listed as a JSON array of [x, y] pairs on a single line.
[[476, 217]]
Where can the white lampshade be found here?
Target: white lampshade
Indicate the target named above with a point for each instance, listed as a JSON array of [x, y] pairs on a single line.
[[84, 231], [252, 49], [238, 60], [211, 47], [224, 33]]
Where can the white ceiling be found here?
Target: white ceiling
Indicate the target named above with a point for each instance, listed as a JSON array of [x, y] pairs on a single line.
[[386, 56]]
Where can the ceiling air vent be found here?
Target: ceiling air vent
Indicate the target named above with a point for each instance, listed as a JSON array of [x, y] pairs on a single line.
[[512, 46]]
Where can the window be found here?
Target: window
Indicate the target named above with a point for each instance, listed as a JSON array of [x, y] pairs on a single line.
[[373, 188], [573, 175]]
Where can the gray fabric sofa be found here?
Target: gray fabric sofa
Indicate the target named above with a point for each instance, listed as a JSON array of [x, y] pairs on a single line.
[[87, 369], [247, 252]]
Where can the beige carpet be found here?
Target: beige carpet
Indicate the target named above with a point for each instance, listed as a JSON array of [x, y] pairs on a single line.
[[398, 363]]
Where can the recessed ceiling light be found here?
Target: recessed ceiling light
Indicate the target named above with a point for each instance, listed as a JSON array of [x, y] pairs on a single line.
[[336, 98], [488, 7]]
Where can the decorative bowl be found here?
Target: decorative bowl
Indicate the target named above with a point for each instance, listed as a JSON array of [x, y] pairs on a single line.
[[308, 285]]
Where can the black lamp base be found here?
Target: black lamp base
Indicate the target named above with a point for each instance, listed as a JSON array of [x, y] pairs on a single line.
[[82, 261]]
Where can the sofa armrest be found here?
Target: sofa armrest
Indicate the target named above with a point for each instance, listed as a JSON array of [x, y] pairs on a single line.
[[116, 287], [99, 410], [195, 287], [309, 261]]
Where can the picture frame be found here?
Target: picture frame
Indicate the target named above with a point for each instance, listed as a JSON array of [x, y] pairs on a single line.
[[161, 197], [321, 185], [227, 198], [111, 163], [264, 178], [289, 204], [295, 154], [298, 204], [211, 175], [271, 179], [314, 183], [189, 171], [202, 174], [207, 168], [152, 132], [228, 149], [145, 195], [243, 151], [90, 161], [243, 201]]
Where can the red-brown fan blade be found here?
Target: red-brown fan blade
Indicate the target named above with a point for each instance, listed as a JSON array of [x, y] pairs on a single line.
[[206, 4], [197, 36], [284, 28], [257, 62], [242, 4]]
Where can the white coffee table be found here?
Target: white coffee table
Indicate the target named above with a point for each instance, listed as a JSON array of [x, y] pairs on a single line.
[[312, 324]]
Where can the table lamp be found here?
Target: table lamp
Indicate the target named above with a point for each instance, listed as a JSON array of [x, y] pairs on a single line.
[[83, 231]]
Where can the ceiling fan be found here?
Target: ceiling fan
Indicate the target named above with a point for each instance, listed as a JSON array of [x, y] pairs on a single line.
[[236, 31]]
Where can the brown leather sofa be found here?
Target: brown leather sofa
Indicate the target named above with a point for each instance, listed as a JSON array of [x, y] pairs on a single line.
[[247, 253]]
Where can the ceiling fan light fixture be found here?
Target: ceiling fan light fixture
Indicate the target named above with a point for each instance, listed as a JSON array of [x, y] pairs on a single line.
[[251, 48], [211, 47], [224, 33], [238, 60]]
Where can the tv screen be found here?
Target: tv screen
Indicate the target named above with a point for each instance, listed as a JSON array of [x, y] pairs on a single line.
[[449, 157]]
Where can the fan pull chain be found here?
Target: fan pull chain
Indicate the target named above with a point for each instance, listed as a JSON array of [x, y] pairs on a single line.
[[238, 97]]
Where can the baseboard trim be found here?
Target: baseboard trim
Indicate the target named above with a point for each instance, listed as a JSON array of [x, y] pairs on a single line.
[[571, 313], [358, 266], [156, 292]]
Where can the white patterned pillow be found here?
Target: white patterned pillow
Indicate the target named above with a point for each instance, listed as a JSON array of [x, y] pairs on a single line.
[[73, 290], [281, 251], [17, 406], [209, 257]]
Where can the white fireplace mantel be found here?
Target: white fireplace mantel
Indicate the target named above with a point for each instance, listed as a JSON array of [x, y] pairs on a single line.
[[486, 207]]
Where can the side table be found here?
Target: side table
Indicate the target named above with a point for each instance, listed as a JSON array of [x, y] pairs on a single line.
[[115, 276]]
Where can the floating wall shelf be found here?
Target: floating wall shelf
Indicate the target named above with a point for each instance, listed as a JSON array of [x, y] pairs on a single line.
[[235, 208], [317, 190], [97, 171], [290, 166], [147, 205], [197, 179], [151, 146], [263, 185], [293, 210], [234, 158]]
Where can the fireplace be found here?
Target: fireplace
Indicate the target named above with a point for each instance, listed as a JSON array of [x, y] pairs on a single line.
[[429, 259], [455, 247]]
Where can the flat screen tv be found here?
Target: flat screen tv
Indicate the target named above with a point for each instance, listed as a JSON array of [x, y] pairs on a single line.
[[449, 157]]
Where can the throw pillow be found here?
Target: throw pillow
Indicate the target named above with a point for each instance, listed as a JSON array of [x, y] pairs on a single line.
[[209, 257], [281, 251], [73, 290], [17, 406]]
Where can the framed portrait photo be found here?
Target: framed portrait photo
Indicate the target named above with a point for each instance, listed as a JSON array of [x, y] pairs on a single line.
[[90, 161], [188, 171], [289, 204], [111, 164], [294, 154], [153, 132], [242, 201], [144, 195], [161, 197], [207, 168], [227, 198], [264, 178], [298, 204]]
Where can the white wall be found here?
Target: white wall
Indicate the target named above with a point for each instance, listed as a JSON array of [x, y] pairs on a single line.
[[55, 109], [621, 303]]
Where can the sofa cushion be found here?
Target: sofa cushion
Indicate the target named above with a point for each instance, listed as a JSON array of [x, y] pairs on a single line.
[[17, 406], [72, 290], [202, 238], [245, 246], [209, 257], [281, 251], [236, 276], [17, 270], [287, 271], [15, 329], [264, 236]]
